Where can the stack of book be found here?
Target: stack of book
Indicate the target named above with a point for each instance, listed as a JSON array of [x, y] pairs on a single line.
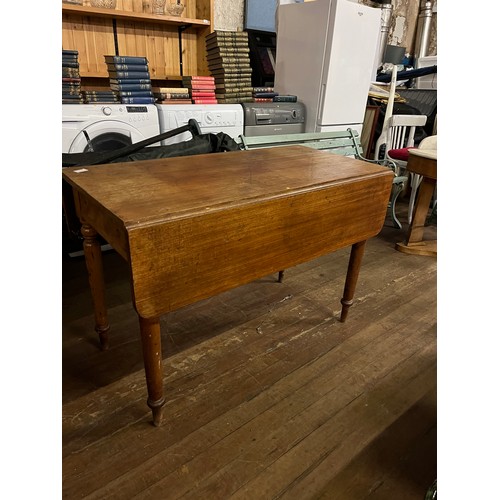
[[228, 57], [71, 81], [201, 89], [100, 96], [263, 94], [129, 77], [172, 95]]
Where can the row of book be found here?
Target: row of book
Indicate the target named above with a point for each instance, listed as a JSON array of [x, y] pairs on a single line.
[[71, 81], [228, 59]]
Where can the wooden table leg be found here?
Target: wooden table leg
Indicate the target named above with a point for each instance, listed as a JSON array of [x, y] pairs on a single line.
[[357, 251], [151, 351], [415, 243], [93, 260]]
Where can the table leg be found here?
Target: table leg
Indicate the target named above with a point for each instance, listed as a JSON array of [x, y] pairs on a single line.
[[416, 231], [93, 260], [151, 351], [357, 251]]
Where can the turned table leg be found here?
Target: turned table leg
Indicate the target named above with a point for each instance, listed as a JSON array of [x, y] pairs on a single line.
[[151, 351], [93, 260], [357, 251]]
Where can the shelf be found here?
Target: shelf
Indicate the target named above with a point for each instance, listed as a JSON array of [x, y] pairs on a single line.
[[132, 16]]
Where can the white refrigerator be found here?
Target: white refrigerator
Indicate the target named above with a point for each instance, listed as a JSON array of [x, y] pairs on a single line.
[[326, 54]]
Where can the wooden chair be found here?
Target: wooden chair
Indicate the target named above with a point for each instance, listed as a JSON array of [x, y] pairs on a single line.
[[399, 138]]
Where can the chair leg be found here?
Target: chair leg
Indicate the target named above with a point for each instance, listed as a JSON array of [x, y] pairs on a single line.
[[415, 180], [396, 190], [280, 276]]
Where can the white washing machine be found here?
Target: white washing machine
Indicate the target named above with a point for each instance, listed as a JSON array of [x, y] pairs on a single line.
[[212, 118], [106, 127]]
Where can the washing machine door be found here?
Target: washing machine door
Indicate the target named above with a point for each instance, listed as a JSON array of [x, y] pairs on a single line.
[[105, 136]]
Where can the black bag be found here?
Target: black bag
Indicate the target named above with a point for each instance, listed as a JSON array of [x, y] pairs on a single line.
[[199, 144]]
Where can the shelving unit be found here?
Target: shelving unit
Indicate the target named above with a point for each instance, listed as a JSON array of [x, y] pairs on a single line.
[[173, 45]]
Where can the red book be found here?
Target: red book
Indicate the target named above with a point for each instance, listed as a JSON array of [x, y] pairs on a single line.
[[204, 101], [198, 93], [202, 78]]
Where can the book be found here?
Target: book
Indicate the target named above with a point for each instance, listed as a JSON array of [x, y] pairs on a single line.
[[235, 100], [224, 35], [220, 51], [202, 94], [243, 65], [130, 81], [262, 99], [285, 98], [226, 45], [232, 59], [257, 90], [171, 95], [265, 94], [205, 101], [125, 60], [171, 90], [138, 100], [129, 74], [128, 67], [135, 93], [198, 77], [132, 86], [201, 86], [233, 88], [229, 71], [231, 95]]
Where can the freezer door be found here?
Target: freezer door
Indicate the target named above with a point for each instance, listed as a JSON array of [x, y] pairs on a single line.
[[352, 45]]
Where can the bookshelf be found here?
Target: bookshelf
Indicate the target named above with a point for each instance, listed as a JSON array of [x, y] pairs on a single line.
[[173, 45]]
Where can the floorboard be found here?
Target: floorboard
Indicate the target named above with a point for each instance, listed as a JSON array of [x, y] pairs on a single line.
[[268, 394]]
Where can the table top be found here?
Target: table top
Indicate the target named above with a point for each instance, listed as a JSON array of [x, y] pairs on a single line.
[[431, 154], [150, 191]]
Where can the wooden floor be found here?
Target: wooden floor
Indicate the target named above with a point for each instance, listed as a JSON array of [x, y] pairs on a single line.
[[268, 394]]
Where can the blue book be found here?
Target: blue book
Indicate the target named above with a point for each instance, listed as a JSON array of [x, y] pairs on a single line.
[[129, 81], [131, 86], [125, 60], [135, 93], [128, 67], [138, 100], [129, 74]]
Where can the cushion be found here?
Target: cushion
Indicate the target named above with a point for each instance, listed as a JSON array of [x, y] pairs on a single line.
[[399, 154]]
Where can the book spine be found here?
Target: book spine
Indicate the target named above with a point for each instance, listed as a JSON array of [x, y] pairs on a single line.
[[262, 99], [135, 93], [265, 94], [205, 101], [285, 98], [132, 86], [130, 81], [138, 100], [171, 95], [202, 94], [143, 68], [126, 59], [129, 74], [197, 78], [263, 89], [171, 90], [200, 87]]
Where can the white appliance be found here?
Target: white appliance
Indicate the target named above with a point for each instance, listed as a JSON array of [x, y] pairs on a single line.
[[212, 118], [107, 126], [326, 54]]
